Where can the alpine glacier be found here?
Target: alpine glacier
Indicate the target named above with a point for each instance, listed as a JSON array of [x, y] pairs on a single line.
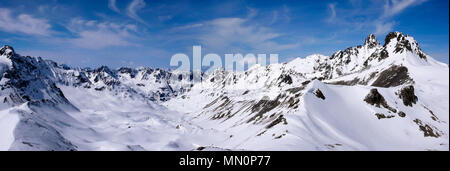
[[368, 97]]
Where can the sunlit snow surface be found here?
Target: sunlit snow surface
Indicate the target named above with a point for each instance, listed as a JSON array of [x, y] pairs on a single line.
[[273, 107], [131, 124], [8, 121]]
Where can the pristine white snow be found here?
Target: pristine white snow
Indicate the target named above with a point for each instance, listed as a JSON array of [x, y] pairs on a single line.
[[133, 124], [8, 121], [273, 107]]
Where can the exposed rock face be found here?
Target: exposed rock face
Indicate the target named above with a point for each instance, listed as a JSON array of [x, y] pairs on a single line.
[[285, 79], [408, 96], [392, 77], [375, 98], [390, 36], [262, 107], [403, 43], [383, 116], [427, 130], [7, 51], [280, 119], [371, 41], [31, 80]]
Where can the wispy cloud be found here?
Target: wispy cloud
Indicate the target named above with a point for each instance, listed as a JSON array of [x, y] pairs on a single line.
[[382, 27], [186, 27], [133, 8], [23, 23], [236, 34], [394, 7], [391, 8], [282, 14], [378, 24], [332, 9], [93, 34], [112, 5]]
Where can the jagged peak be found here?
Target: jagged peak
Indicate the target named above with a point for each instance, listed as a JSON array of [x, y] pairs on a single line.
[[371, 41], [400, 43], [397, 37], [7, 50], [393, 35], [105, 69], [126, 70]]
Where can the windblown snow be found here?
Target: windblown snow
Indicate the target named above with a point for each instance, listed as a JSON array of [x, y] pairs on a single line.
[[368, 97]]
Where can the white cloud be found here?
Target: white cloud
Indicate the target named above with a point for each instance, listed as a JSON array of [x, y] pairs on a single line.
[[394, 7], [282, 14], [332, 9], [379, 24], [133, 8], [96, 35], [231, 32], [383, 27], [23, 23], [223, 35], [112, 6]]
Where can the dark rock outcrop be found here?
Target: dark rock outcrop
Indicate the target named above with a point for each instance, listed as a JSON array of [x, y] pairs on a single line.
[[392, 77], [408, 96], [319, 94], [375, 98]]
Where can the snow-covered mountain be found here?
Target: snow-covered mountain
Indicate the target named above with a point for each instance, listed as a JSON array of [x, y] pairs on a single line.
[[369, 97]]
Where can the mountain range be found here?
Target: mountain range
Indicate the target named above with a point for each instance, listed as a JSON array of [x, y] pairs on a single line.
[[368, 97]]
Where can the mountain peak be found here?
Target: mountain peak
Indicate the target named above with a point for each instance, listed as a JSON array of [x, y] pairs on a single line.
[[393, 35], [7, 50], [371, 41], [399, 43]]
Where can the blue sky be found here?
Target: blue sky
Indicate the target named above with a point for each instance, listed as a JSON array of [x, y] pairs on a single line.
[[136, 33]]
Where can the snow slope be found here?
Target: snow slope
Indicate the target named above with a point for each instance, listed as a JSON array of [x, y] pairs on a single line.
[[278, 106], [368, 97]]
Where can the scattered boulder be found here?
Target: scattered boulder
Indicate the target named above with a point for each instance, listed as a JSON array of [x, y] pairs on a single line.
[[401, 114], [375, 98], [201, 148], [408, 96], [246, 92], [319, 94], [382, 116]]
